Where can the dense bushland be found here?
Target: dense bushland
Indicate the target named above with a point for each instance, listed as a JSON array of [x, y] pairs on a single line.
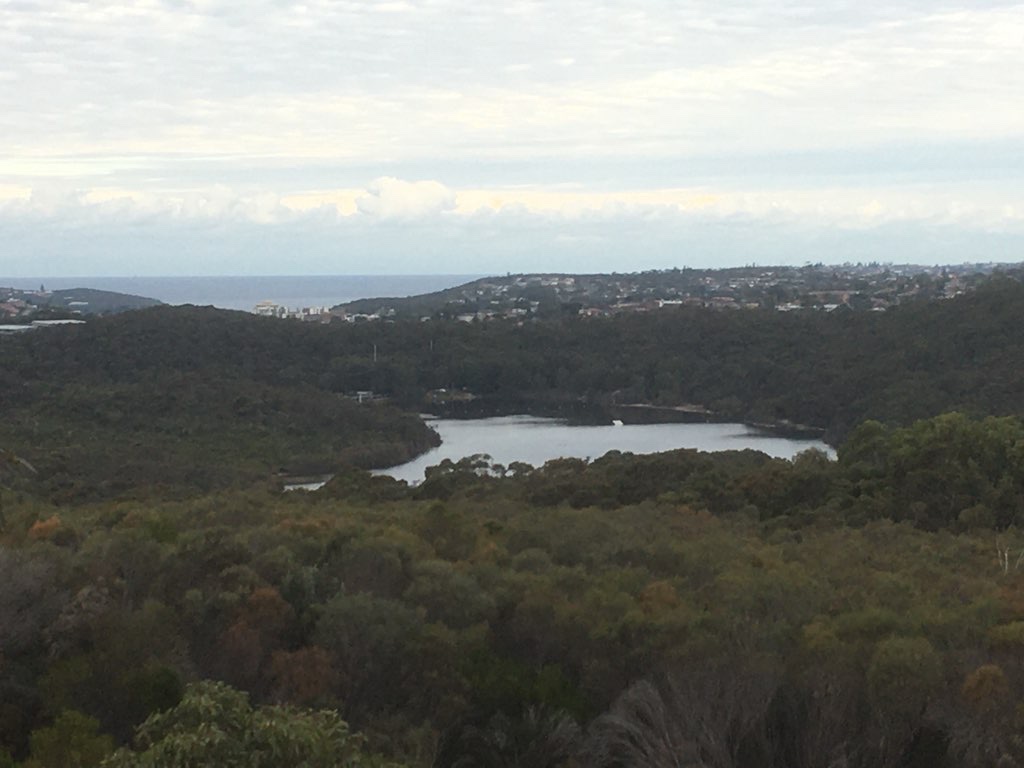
[[726, 609], [263, 391]]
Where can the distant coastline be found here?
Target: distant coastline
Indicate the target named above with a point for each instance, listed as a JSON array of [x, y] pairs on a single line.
[[244, 292]]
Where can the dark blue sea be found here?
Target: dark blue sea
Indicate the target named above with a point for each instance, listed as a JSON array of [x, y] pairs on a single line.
[[244, 292]]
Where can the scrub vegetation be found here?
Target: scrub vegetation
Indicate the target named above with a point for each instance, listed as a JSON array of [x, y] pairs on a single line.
[[162, 602]]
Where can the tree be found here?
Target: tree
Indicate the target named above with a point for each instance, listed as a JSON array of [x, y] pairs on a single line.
[[642, 730], [987, 732], [705, 716], [10, 461], [374, 646], [540, 738], [28, 600], [903, 676], [215, 725], [73, 741], [302, 677]]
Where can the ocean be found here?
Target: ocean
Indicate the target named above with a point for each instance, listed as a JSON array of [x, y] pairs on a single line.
[[243, 293]]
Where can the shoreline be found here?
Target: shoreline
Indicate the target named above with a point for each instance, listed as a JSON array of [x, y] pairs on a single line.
[[588, 413]]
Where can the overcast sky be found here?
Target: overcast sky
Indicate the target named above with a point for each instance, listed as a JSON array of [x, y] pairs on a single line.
[[164, 137]]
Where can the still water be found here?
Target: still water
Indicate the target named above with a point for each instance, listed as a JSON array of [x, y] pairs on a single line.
[[534, 440]]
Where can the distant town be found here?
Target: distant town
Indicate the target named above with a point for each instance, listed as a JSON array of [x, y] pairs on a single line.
[[870, 287]]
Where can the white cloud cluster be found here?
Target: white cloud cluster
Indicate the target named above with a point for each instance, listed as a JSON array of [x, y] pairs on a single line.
[[391, 198], [396, 202], [410, 227]]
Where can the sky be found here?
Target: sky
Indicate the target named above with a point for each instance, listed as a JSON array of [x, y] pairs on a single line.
[[271, 137]]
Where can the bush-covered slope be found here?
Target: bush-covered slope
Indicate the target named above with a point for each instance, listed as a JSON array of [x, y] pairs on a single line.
[[185, 400], [207, 397], [828, 370]]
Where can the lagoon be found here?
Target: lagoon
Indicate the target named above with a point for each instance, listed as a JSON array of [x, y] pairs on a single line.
[[536, 440]]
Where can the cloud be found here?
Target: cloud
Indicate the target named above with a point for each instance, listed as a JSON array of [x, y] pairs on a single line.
[[391, 198], [453, 78], [387, 201], [146, 115], [412, 227]]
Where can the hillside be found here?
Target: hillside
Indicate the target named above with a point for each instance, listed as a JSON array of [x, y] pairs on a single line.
[[17, 303], [168, 395], [180, 401], [93, 301], [859, 287], [826, 370], [201, 398]]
